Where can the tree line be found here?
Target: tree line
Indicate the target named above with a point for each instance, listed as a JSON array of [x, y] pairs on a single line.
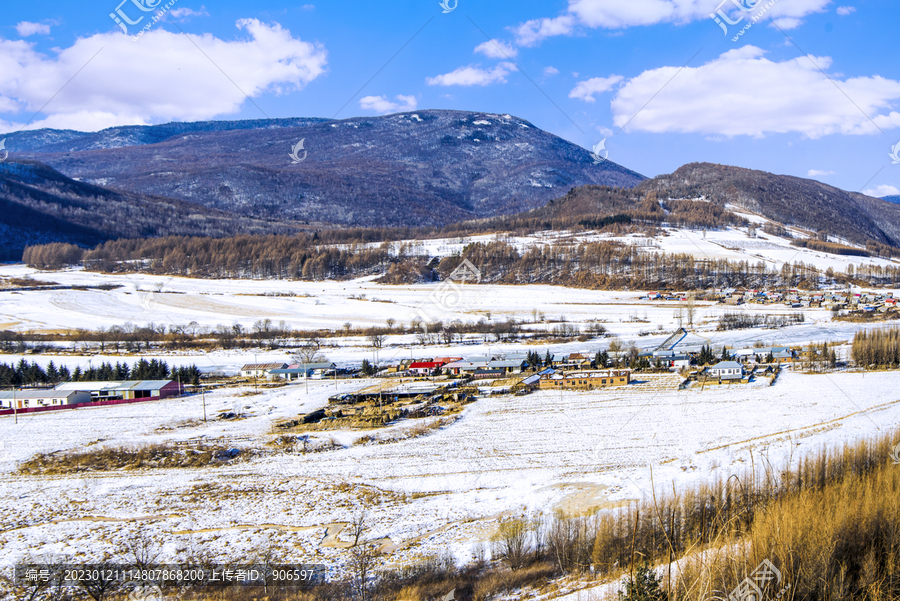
[[877, 348], [29, 374]]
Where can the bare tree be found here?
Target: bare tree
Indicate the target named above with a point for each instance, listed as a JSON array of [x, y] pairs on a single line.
[[511, 542], [690, 308], [141, 548], [363, 556], [377, 338]]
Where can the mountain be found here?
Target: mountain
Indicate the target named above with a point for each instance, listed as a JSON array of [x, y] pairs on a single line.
[[40, 205], [892, 199], [422, 168], [782, 198], [67, 140], [787, 199]]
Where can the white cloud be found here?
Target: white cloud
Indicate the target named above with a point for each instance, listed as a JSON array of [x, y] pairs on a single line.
[[25, 29], [585, 90], [473, 76], [743, 93], [187, 13], [619, 14], [818, 173], [532, 32], [845, 10], [160, 77], [881, 191], [550, 71], [497, 49], [381, 104]]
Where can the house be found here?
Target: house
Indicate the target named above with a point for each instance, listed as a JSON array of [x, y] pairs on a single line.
[[785, 356], [424, 368], [445, 360], [260, 370], [509, 366], [726, 370], [458, 367], [126, 390], [29, 399], [586, 380], [485, 373], [301, 371]]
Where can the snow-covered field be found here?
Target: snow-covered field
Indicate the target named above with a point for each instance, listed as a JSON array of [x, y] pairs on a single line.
[[442, 492], [505, 455]]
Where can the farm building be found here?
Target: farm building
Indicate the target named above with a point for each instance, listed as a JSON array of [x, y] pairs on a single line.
[[29, 399], [458, 367], [726, 370], [586, 380], [424, 368], [300, 371], [509, 366], [125, 390], [260, 370]]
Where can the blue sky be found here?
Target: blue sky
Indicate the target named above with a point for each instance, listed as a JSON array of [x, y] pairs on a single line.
[[811, 88]]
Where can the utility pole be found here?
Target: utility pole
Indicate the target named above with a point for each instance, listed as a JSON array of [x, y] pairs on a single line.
[[15, 405], [203, 396], [255, 374]]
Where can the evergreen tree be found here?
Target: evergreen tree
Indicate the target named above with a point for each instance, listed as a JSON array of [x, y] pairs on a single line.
[[52, 373], [645, 586]]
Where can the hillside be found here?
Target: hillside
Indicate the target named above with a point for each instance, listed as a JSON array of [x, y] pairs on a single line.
[[423, 168], [786, 199], [41, 205]]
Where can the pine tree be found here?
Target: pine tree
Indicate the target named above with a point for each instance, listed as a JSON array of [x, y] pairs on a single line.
[[645, 586], [52, 373]]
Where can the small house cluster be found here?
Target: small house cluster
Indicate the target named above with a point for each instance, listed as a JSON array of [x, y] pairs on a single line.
[[71, 394], [798, 299]]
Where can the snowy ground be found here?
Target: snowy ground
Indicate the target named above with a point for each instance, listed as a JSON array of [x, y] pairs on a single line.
[[505, 455], [441, 492]]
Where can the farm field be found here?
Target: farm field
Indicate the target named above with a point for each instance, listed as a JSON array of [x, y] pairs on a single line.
[[443, 491]]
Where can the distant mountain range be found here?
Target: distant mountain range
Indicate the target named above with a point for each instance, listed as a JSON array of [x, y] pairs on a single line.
[[410, 169], [40, 205], [893, 199]]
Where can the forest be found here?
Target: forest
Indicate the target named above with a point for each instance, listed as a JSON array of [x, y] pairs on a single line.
[[25, 374], [877, 348], [596, 265]]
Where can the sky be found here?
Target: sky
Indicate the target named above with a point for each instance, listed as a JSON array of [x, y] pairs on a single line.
[[809, 88]]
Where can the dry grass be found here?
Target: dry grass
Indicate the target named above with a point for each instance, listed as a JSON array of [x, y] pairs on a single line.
[[126, 458]]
